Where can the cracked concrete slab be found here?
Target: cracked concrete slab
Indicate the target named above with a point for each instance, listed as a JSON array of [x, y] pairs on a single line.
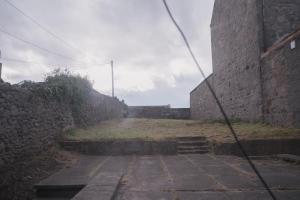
[[79, 174], [180, 177], [205, 177]]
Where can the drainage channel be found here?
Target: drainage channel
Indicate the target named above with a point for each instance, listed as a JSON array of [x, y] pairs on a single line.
[[57, 192], [105, 186], [100, 177]]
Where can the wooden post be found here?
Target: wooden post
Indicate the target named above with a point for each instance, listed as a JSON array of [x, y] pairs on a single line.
[[0, 71], [0, 67], [112, 79]]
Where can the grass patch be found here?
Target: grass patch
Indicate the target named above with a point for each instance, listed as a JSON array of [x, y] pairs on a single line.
[[160, 129]]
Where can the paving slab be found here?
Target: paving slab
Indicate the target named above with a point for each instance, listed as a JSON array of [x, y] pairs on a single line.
[[51, 198], [105, 184], [79, 174], [100, 190], [207, 177], [202, 195], [147, 172], [145, 195], [187, 176], [180, 177]]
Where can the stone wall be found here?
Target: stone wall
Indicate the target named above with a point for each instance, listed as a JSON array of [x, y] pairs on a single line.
[[260, 147], [281, 86], [203, 105], [280, 67], [251, 88], [122, 147], [179, 113], [158, 112], [281, 17], [30, 123], [236, 64], [99, 107]]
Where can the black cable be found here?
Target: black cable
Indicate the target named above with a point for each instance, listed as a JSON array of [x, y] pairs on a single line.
[[21, 61], [47, 30], [38, 63], [45, 49], [41, 26], [35, 45], [219, 104]]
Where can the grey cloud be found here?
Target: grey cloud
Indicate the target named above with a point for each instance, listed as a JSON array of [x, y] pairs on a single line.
[[137, 34]]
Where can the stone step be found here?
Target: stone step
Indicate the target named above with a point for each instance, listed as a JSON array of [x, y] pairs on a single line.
[[67, 182], [191, 138], [192, 151], [51, 199], [104, 186], [195, 142], [289, 158], [193, 147]]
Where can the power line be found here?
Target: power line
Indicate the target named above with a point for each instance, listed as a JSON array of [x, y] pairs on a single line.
[[33, 44], [38, 63], [42, 48], [219, 103], [41, 26], [21, 61]]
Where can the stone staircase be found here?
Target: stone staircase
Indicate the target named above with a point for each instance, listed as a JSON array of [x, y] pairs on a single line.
[[192, 145]]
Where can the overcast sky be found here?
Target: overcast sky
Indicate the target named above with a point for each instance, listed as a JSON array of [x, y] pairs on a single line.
[[152, 65]]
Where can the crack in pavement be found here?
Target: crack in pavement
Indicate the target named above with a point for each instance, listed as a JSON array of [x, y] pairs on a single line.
[[170, 178], [213, 178], [125, 178], [98, 167]]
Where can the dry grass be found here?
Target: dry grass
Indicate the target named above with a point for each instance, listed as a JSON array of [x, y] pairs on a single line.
[[160, 129]]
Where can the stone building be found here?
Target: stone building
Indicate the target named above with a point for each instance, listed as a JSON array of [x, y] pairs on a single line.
[[256, 63]]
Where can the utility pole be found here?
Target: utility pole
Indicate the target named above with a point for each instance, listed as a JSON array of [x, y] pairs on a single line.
[[112, 79]]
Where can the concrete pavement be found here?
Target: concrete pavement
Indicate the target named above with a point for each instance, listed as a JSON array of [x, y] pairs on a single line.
[[183, 177]]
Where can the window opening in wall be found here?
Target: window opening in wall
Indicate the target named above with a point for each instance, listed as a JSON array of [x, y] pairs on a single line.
[[293, 44]]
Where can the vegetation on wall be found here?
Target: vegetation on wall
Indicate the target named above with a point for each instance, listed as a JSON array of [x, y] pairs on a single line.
[[61, 85], [65, 87], [70, 88], [76, 94]]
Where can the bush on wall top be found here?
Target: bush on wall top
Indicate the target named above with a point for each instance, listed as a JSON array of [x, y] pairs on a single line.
[[65, 86], [62, 86]]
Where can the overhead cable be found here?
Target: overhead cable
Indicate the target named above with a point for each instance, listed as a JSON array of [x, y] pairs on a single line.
[[219, 103]]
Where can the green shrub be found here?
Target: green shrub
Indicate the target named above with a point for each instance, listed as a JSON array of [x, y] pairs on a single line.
[[65, 86], [71, 89]]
